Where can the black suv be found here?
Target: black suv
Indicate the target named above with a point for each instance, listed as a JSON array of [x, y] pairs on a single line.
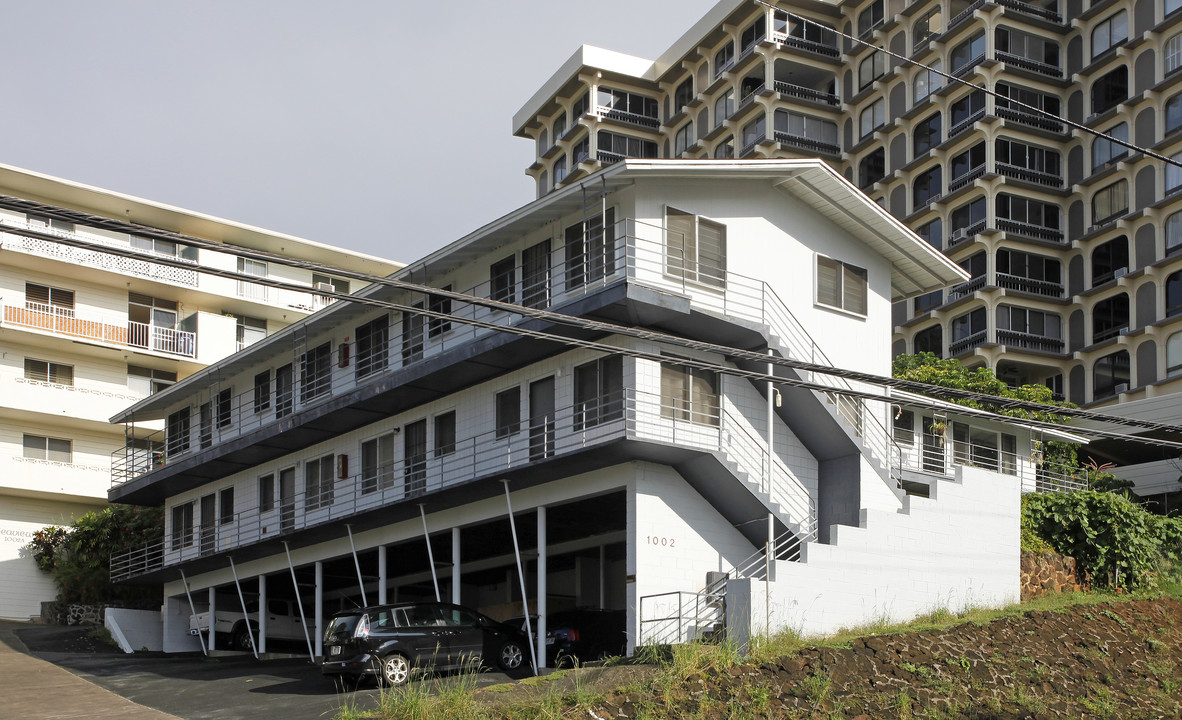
[[393, 641]]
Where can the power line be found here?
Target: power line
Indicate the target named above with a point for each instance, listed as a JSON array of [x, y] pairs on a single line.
[[1070, 123], [611, 349]]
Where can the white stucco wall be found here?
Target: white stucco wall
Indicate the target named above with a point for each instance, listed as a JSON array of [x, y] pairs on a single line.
[[23, 587]]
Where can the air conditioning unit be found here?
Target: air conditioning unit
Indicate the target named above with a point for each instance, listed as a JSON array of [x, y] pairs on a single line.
[[1123, 331], [960, 234], [325, 287], [1120, 272], [1121, 388]]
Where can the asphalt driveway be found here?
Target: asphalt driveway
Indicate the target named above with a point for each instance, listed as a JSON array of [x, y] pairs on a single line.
[[194, 687]]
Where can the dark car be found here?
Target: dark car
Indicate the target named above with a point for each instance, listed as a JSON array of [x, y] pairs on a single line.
[[392, 642], [584, 634]]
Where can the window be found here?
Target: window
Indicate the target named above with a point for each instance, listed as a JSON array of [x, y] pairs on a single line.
[[1109, 372], [1172, 53], [1173, 231], [177, 432], [1174, 355], [590, 250], [725, 149], [684, 139], [1109, 33], [377, 463], [689, 393], [151, 322], [723, 107], [1030, 267], [614, 146], [1030, 322], [262, 391], [903, 427], [182, 527], [42, 298], [620, 101], [508, 408], [599, 392], [1174, 174], [1034, 48], [814, 32], [413, 339], [1171, 6], [1108, 259], [328, 284], [870, 18], [39, 447], [373, 346], [205, 430], [440, 304], [684, 94], [1174, 294], [967, 217], [841, 285], [927, 82], [926, 27], [965, 163], [445, 433], [968, 53], [283, 394], [1105, 151], [318, 482], [871, 169], [754, 133], [248, 289], [559, 170], [799, 125], [966, 326], [1042, 101], [225, 400], [144, 381], [966, 110], [503, 280], [249, 330], [1110, 202], [926, 187], [1109, 317], [267, 493], [43, 221], [47, 371], [580, 106], [926, 135], [414, 464], [226, 506], [870, 69], [755, 32], [535, 275], [1110, 90], [580, 151], [974, 265], [930, 340], [1027, 157], [154, 246], [932, 233], [1038, 215], [724, 58], [925, 303], [559, 125], [315, 372], [695, 248], [872, 117]]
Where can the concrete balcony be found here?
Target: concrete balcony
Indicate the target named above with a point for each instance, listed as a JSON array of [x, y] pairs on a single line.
[[144, 268], [66, 322]]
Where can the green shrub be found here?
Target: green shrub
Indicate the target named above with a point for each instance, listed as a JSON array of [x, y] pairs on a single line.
[[1113, 539]]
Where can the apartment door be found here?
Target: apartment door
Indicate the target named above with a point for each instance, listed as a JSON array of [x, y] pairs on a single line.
[[933, 445], [541, 419], [209, 524], [414, 461], [287, 500]]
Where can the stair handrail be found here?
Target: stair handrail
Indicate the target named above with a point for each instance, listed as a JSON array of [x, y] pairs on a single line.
[[758, 447]]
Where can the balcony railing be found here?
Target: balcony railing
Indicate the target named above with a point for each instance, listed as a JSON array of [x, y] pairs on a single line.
[[1029, 119], [1029, 285], [752, 93], [96, 259], [68, 323], [1030, 230], [630, 118], [965, 14], [809, 94], [826, 49], [751, 144], [966, 289], [939, 455], [966, 178], [1027, 64], [808, 144], [1108, 333], [607, 158], [965, 124], [967, 233], [967, 65], [1027, 341], [1036, 177], [968, 343], [1033, 10]]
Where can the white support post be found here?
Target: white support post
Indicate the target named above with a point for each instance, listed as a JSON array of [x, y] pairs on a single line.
[[529, 632], [254, 648], [455, 566], [319, 608], [299, 603], [430, 553], [193, 609], [263, 612], [381, 574], [213, 618], [357, 564], [540, 654]]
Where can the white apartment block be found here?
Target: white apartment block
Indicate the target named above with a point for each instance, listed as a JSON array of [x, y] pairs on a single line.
[[368, 455], [83, 334]]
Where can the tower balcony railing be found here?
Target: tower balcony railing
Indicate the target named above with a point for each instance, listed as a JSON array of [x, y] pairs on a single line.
[[939, 455], [144, 268], [828, 49], [92, 326], [1036, 177], [965, 14], [631, 118], [1040, 122], [1032, 10], [965, 124], [967, 343], [1026, 63], [805, 93], [1029, 285], [966, 178], [1029, 341], [966, 289], [1038, 232], [808, 143]]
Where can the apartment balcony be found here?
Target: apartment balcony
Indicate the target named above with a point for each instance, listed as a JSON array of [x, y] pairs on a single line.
[[965, 289], [965, 124], [808, 144], [965, 179], [96, 404], [1025, 229], [1033, 66], [927, 454], [1101, 334], [1026, 341], [959, 347], [809, 94], [1035, 177], [68, 323], [1028, 285], [965, 14], [965, 234], [628, 118], [1032, 10], [1032, 120], [829, 51], [144, 268]]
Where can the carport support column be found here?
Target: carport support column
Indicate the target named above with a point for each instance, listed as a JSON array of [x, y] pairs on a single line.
[[540, 654], [319, 608], [212, 616], [263, 611], [455, 566], [381, 574]]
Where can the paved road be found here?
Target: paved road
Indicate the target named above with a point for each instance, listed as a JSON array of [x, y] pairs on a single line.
[[192, 687]]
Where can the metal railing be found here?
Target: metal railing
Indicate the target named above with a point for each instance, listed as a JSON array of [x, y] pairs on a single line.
[[808, 143], [93, 326], [1033, 10], [1029, 285], [1029, 341], [805, 93], [937, 455], [1038, 232], [94, 258], [966, 178], [631, 118], [1037, 177], [1027, 64], [965, 14], [967, 343], [1040, 122], [965, 289], [678, 618], [820, 48], [965, 124]]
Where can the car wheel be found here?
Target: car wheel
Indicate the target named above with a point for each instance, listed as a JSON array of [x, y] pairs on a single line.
[[395, 670], [242, 639], [511, 656]]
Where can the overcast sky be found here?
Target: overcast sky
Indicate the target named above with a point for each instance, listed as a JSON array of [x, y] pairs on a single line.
[[380, 126]]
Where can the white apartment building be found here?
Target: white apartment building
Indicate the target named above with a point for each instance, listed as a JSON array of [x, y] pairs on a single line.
[[84, 334], [370, 454]]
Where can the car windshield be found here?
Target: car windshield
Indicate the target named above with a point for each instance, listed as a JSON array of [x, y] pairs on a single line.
[[343, 623]]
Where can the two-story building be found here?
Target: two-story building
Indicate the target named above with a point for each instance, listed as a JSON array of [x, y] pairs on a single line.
[[85, 333]]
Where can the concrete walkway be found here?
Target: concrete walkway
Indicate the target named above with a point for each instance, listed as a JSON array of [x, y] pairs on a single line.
[[32, 689]]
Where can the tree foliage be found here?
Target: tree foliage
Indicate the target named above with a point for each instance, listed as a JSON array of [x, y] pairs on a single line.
[[79, 556]]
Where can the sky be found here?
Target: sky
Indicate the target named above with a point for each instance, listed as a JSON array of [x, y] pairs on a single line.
[[381, 126]]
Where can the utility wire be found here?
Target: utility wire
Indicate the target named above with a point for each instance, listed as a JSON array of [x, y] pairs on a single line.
[[1070, 123], [603, 347], [536, 313]]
